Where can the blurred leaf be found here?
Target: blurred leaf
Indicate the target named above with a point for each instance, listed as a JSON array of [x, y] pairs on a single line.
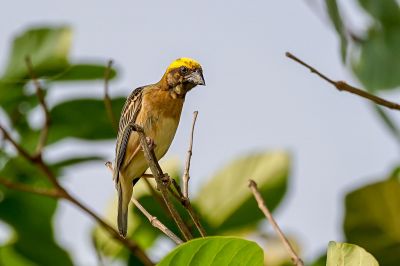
[[386, 12], [372, 220], [48, 49], [215, 250], [73, 161], [337, 22], [31, 217], [388, 121], [83, 72], [84, 119], [379, 62], [226, 202], [275, 250], [9, 256], [321, 261], [343, 254]]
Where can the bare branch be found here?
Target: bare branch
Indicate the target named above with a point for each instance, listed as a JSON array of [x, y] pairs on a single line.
[[40, 94], [162, 180], [48, 192], [156, 223], [343, 86], [186, 175], [263, 207], [19, 148], [107, 99]]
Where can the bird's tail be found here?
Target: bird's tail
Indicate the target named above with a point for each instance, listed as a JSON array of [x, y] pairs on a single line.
[[124, 197]]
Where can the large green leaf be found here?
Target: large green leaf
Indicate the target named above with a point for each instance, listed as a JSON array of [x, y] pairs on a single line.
[[84, 119], [226, 203], [214, 251], [31, 218], [372, 220], [48, 49], [378, 65], [343, 254], [337, 22]]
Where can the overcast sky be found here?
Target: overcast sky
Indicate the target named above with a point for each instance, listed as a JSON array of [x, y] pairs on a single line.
[[336, 141]]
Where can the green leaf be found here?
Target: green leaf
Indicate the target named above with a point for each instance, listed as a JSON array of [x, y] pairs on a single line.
[[83, 72], [337, 22], [31, 217], [387, 12], [378, 65], [343, 254], [84, 119], [372, 219], [215, 251], [48, 49], [226, 202]]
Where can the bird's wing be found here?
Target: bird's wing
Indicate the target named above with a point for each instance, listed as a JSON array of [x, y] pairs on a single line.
[[129, 114]]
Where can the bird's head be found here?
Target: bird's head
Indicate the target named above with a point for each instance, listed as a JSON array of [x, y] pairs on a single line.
[[183, 74]]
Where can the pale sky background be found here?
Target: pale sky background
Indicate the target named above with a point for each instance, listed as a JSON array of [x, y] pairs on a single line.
[[337, 142]]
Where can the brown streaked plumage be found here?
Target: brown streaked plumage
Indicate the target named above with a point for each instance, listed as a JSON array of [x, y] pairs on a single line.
[[157, 108]]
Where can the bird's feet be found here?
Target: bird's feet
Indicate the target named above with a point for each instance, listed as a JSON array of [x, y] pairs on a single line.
[[150, 143]]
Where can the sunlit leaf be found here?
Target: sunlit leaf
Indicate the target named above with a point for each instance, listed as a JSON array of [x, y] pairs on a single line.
[[48, 49], [372, 219], [226, 202], [343, 254], [214, 251]]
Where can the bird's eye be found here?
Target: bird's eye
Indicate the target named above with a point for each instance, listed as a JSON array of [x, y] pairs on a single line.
[[183, 70]]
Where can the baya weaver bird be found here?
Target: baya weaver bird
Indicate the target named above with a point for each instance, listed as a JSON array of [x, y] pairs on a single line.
[[157, 109]]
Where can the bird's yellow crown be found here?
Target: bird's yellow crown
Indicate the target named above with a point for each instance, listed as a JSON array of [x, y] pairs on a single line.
[[184, 61]]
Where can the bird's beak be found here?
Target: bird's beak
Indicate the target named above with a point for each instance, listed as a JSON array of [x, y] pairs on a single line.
[[196, 77]]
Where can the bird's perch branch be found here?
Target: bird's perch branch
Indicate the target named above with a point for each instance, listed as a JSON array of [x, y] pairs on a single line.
[[263, 207], [343, 86], [107, 99], [188, 206], [162, 180], [152, 219]]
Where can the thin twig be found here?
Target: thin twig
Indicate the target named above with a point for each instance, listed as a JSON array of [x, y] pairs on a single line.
[[343, 86], [21, 151], [162, 181], [186, 175], [156, 223], [107, 99], [40, 94], [263, 207], [48, 192], [188, 206]]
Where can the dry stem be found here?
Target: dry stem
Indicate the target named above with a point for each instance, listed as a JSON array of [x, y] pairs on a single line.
[[186, 175], [343, 86], [263, 207]]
